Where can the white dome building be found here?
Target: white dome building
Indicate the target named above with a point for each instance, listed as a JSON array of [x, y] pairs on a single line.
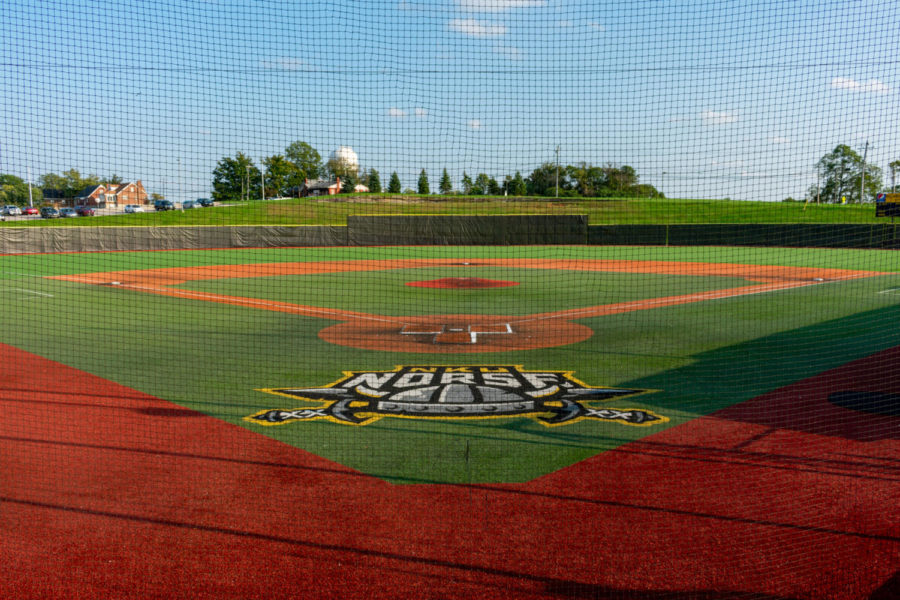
[[346, 158]]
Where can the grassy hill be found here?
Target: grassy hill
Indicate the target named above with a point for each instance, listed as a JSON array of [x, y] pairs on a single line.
[[335, 209]]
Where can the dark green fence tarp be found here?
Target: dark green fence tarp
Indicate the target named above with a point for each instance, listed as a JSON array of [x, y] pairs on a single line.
[[29, 240], [494, 230], [884, 236], [498, 230]]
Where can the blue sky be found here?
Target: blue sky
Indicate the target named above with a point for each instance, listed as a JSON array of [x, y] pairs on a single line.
[[705, 99]]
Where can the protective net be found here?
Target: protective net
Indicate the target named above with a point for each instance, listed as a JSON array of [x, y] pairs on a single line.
[[449, 299]]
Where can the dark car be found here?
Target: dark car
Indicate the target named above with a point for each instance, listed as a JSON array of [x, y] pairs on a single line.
[[164, 205], [85, 211], [48, 212], [205, 201]]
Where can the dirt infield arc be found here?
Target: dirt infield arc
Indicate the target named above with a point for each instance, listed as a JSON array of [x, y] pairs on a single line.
[[471, 333]]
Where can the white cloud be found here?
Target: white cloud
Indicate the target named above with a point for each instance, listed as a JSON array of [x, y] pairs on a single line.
[[778, 139], [510, 52], [710, 117], [286, 63], [397, 113], [597, 27], [476, 28], [475, 124], [497, 5], [420, 112], [872, 86]]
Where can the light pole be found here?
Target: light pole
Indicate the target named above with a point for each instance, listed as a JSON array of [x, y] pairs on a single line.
[[262, 178], [862, 181], [557, 171]]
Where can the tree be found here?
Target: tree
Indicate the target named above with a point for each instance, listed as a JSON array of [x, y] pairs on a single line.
[[493, 187], [394, 186], [348, 182], [423, 183], [281, 175], [14, 190], [374, 182], [306, 160], [69, 184], [518, 187], [446, 185], [621, 178], [894, 166], [842, 171], [466, 184], [482, 184], [236, 179], [542, 181], [587, 178]]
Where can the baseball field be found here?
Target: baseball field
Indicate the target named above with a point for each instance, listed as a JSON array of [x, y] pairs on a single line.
[[451, 422]]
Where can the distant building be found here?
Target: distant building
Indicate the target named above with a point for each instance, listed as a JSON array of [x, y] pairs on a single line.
[[320, 187], [113, 194]]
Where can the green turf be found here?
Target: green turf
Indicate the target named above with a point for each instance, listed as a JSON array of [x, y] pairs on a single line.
[[214, 357], [600, 211], [538, 290]]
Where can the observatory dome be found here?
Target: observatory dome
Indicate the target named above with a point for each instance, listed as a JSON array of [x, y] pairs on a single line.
[[346, 156]]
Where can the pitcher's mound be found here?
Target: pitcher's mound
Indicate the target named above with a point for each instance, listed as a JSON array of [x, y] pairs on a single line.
[[462, 283]]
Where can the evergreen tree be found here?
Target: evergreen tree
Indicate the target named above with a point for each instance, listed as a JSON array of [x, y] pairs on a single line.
[[423, 183], [394, 186], [518, 186], [374, 182], [446, 185]]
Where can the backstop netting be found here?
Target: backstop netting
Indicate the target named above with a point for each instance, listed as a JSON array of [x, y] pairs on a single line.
[[449, 299]]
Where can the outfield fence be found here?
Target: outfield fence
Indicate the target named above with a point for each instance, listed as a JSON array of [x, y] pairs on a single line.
[[463, 230]]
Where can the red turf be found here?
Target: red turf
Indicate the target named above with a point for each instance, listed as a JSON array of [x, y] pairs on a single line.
[[106, 492]]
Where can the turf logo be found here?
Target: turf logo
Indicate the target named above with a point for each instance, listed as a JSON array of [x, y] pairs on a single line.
[[457, 392]]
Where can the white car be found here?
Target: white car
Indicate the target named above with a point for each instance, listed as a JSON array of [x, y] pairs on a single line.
[[11, 210], [134, 208]]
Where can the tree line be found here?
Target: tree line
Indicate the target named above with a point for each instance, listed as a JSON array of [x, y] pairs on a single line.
[[239, 178], [843, 176], [65, 185]]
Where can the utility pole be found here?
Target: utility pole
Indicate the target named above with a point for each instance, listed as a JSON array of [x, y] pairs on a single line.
[[262, 178], [862, 182], [30, 197], [557, 171]]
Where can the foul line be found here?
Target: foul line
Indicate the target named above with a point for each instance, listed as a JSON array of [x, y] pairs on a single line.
[[32, 292], [569, 314]]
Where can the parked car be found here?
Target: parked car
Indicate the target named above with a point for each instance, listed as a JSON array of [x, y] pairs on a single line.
[[85, 211], [205, 201], [68, 212], [134, 208], [11, 210], [48, 212], [189, 204], [164, 205], [30, 210]]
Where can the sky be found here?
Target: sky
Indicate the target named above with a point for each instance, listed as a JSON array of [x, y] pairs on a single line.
[[705, 99]]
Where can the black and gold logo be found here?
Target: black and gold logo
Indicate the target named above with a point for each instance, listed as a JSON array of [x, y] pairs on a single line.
[[457, 392]]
